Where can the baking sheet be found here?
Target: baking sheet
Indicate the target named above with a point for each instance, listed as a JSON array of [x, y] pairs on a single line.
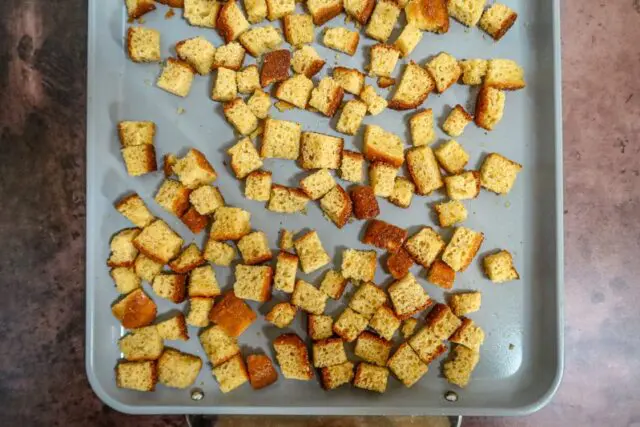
[[522, 357]]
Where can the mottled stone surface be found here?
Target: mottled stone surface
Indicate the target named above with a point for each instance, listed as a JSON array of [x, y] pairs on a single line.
[[42, 128]]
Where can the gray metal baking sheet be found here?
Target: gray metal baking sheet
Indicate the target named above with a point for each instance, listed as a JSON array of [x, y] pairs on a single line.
[[521, 360]]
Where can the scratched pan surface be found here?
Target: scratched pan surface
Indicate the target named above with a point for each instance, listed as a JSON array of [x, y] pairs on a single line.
[[521, 360]]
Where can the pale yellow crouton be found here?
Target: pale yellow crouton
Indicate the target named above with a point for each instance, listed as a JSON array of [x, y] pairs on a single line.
[[381, 145], [385, 322], [408, 297], [450, 213], [465, 303], [421, 126], [188, 259], [427, 345], [360, 10], [402, 193], [375, 103], [311, 252], [444, 70], [194, 170], [371, 377], [231, 374], [197, 52], [146, 268], [277, 9], [465, 185], [143, 44], [351, 117], [287, 199], [383, 60], [336, 205], [231, 22], [202, 13], [424, 170], [244, 158], [177, 369], [458, 370], [219, 253], [281, 315], [359, 265], [489, 107], [280, 140], [425, 246], [260, 40], [499, 267], [317, 184], [286, 267], [497, 20], [230, 55], [441, 322], [295, 90], [329, 352], [406, 365], [382, 177], [473, 71], [337, 375], [307, 61], [173, 197], [408, 327], [218, 345], [367, 299], [199, 309], [139, 376], [408, 39], [170, 286], [349, 325], [498, 174], [383, 19], [462, 248], [125, 279], [123, 250], [456, 121], [257, 186], [324, 10], [133, 133], [259, 104], [173, 328], [137, 8], [504, 74], [415, 86], [253, 282], [293, 358], [133, 208], [298, 29], [176, 77], [240, 116], [351, 166], [159, 242], [452, 157], [467, 12], [326, 97], [230, 223], [350, 79], [320, 151], [428, 15], [256, 10], [373, 349], [341, 39], [203, 283], [333, 284], [248, 80], [319, 326], [254, 248], [286, 240]]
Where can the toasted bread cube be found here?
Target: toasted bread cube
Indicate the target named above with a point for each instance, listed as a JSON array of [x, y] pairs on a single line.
[[254, 248], [456, 121], [469, 335], [203, 283], [143, 44], [444, 70], [452, 157], [287, 200], [498, 173], [473, 71], [375, 103], [173, 197], [402, 193], [253, 282], [201, 13], [231, 374], [139, 376], [384, 322], [349, 325], [170, 286], [146, 268], [324, 10], [280, 140], [137, 8], [260, 40], [499, 267], [308, 298], [408, 327], [349, 79], [232, 314], [450, 213], [295, 90], [286, 268], [383, 19], [317, 184], [424, 170], [326, 97], [380, 145], [406, 365], [280, 8], [425, 246], [123, 250], [194, 170], [383, 235], [218, 345], [188, 259], [197, 52], [141, 344], [248, 80], [504, 74], [244, 158], [414, 88], [341, 39], [440, 274], [230, 55], [458, 370], [428, 15], [371, 377], [256, 10], [351, 166], [385, 82], [337, 375], [384, 58], [307, 61], [336, 204], [199, 309], [360, 10], [133, 208], [230, 224], [176, 77], [261, 371], [462, 248], [463, 186], [219, 253], [442, 322], [240, 116], [382, 177], [359, 265], [408, 297], [293, 358], [351, 117], [312, 254], [177, 369], [367, 299], [365, 205], [319, 326], [467, 12], [133, 133], [372, 348], [174, 328], [320, 151], [399, 263], [159, 242], [275, 67], [135, 310], [286, 240], [258, 186], [281, 315], [408, 39], [427, 345], [497, 20], [465, 303], [333, 284], [298, 29], [194, 221], [489, 107], [231, 22], [328, 352], [139, 159], [421, 125]]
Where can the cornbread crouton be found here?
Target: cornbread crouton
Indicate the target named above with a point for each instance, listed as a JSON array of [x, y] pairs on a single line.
[[383, 235], [384, 322], [489, 107], [450, 213], [499, 267], [201, 13], [231, 374], [260, 40], [258, 186], [172, 3], [261, 371], [197, 52], [173, 197], [373, 349], [230, 224], [371, 377], [232, 314], [286, 268], [498, 174], [326, 97], [399, 263], [176, 77], [380, 145], [172, 287], [143, 44], [286, 240], [359, 265], [281, 315], [408, 327], [198, 314], [133, 133], [473, 71], [293, 358], [504, 74], [177, 369], [168, 161], [308, 298], [295, 90], [253, 282], [424, 170], [188, 259], [452, 157], [458, 370], [415, 86], [174, 328], [328, 352], [230, 55], [385, 82], [367, 299], [465, 303], [324, 10], [349, 79], [194, 170], [469, 335], [444, 70], [421, 125], [408, 40], [351, 117], [307, 61], [287, 199], [218, 345], [137, 8], [319, 326], [279, 8], [317, 184], [341, 39], [139, 376], [365, 204], [139, 159], [244, 158], [442, 322], [333, 284], [256, 10], [456, 121], [248, 80], [336, 204], [203, 283], [349, 325], [219, 253], [406, 365], [146, 268], [427, 345], [360, 10], [254, 248], [375, 103], [382, 177], [382, 21], [428, 15], [462, 248], [337, 375], [275, 67], [320, 151], [351, 166], [408, 297], [123, 250], [159, 242], [141, 344], [440, 274], [497, 20], [231, 22], [240, 116], [384, 58], [465, 185], [467, 12], [133, 208], [298, 29], [402, 193], [135, 310]]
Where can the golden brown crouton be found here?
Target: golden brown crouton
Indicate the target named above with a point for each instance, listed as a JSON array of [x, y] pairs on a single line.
[[139, 376], [326, 97], [141, 344], [375, 103], [384, 58], [473, 71], [489, 107], [317, 184], [336, 204], [504, 74], [365, 205], [307, 61], [285, 275], [194, 170], [444, 70], [197, 52], [372, 348], [286, 240], [253, 282], [350, 79], [414, 88], [279, 8], [177, 369], [230, 55], [499, 267], [469, 335], [385, 322], [188, 259], [295, 90], [123, 251], [458, 370], [231, 21], [173, 197], [146, 268], [194, 221], [367, 299], [440, 274], [199, 308], [248, 80], [261, 371], [424, 170], [281, 315], [170, 286], [452, 157], [337, 375], [256, 10], [133, 133], [134, 209], [174, 328], [360, 10], [408, 297], [498, 174], [497, 20], [333, 284], [465, 303], [442, 322], [293, 357], [427, 345], [137, 8], [232, 314], [408, 39], [383, 235], [428, 15], [408, 327], [275, 67], [312, 254], [260, 40], [324, 10], [254, 248], [258, 186], [139, 159], [143, 44], [176, 77], [202, 13], [382, 177], [402, 193], [351, 117], [319, 326], [308, 298], [159, 242], [462, 248], [399, 263]]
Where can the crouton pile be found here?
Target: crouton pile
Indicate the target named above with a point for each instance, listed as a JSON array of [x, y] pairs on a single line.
[[399, 328]]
